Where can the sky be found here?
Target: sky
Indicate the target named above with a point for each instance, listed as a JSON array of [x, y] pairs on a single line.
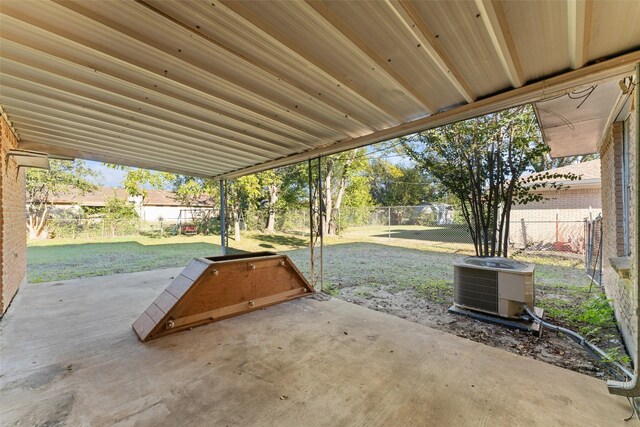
[[110, 177], [114, 177]]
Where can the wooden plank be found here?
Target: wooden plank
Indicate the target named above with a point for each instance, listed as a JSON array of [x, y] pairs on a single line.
[[194, 269], [143, 325], [276, 280], [240, 307], [496, 23], [579, 14], [155, 313], [224, 288], [179, 286], [208, 293], [165, 301], [410, 18]]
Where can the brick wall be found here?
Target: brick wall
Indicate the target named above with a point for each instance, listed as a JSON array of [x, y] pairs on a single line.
[[13, 228], [620, 290], [534, 224], [571, 204]]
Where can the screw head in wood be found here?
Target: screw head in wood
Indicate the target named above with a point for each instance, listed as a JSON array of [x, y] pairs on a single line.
[[251, 303], [253, 266], [170, 324], [215, 272], [282, 263]]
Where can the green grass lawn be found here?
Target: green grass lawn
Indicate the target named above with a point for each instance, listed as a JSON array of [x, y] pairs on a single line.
[[361, 263], [63, 259]]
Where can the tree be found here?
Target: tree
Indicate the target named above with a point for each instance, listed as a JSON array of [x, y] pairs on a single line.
[[43, 185], [400, 185], [191, 192], [547, 162], [481, 162], [338, 172], [137, 181], [241, 193], [271, 180], [118, 213]]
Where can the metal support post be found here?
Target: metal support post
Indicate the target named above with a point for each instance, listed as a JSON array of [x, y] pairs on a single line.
[[223, 213], [315, 223]]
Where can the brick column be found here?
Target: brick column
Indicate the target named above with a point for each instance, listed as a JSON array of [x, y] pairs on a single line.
[[13, 225]]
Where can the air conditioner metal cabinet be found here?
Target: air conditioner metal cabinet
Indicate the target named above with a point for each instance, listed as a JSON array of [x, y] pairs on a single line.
[[498, 286]]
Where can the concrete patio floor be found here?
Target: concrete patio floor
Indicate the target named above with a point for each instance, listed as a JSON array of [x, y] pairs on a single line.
[[69, 357]]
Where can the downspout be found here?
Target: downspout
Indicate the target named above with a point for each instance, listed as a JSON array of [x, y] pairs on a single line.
[[631, 388]]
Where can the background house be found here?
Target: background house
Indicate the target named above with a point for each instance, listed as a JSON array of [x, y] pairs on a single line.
[[157, 205], [558, 221]]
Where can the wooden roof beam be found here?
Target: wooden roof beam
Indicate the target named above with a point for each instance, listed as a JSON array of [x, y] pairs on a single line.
[[543, 89], [121, 68], [323, 13], [64, 112], [286, 45], [330, 109], [579, 14], [497, 26], [156, 162], [410, 18], [107, 143], [78, 153], [82, 12]]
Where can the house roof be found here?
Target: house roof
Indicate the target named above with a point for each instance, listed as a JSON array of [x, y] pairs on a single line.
[[589, 173], [228, 88], [98, 198]]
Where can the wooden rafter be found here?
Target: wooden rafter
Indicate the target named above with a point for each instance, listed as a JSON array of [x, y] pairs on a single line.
[[350, 37], [497, 26], [579, 13], [554, 86], [284, 44], [283, 79], [411, 20], [57, 151], [56, 111], [227, 112], [324, 117]]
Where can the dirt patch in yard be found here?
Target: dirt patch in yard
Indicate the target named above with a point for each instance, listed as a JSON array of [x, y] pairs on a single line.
[[419, 287]]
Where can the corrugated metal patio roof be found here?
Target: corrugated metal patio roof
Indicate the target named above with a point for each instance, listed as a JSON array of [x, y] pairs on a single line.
[[212, 88]]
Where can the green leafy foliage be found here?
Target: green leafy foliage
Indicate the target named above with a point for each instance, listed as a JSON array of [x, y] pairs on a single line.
[[480, 162], [402, 185], [63, 177], [137, 180]]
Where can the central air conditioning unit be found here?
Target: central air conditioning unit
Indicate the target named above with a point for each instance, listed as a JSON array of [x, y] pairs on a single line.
[[498, 286]]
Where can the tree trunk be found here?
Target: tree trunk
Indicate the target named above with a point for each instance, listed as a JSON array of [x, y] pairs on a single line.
[[37, 222], [333, 228], [328, 199], [236, 223], [273, 198]]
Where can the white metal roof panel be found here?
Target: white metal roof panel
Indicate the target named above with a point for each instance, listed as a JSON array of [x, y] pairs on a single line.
[[216, 88]]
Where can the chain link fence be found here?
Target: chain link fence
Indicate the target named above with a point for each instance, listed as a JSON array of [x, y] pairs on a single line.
[[593, 252], [99, 227], [564, 237], [433, 224]]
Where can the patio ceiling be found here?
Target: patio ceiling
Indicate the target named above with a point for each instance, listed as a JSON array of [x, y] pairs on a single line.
[[213, 88], [574, 123]]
